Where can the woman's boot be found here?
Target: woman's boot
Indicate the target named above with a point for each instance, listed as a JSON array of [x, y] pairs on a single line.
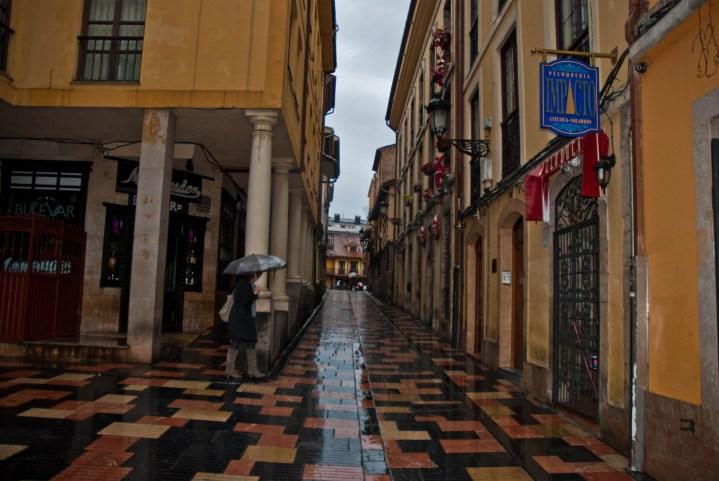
[[252, 370], [231, 364]]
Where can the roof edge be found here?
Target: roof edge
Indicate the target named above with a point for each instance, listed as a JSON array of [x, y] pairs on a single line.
[[405, 35]]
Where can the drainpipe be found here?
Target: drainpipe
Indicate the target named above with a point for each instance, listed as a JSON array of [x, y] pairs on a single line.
[[457, 298], [638, 368]]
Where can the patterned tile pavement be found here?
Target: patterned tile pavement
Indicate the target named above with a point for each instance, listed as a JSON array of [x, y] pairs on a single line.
[[366, 395]]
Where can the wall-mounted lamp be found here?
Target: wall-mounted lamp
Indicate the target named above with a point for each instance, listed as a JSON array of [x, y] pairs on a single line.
[[604, 170]]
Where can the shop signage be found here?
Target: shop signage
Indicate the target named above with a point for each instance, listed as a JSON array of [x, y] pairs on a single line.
[[54, 206], [175, 207], [569, 97], [185, 186]]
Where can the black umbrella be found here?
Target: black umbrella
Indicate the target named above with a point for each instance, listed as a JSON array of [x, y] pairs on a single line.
[[254, 263]]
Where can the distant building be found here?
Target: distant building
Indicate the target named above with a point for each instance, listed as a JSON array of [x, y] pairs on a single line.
[[345, 264], [380, 234]]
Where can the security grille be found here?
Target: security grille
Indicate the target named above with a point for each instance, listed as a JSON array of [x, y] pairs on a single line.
[[576, 301]]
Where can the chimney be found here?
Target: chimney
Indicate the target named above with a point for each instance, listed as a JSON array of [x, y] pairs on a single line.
[[358, 219], [337, 217]]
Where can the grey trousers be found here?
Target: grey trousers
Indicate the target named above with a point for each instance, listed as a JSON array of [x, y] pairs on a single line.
[[242, 353]]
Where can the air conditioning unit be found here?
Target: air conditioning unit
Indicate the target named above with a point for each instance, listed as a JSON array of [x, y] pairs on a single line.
[[486, 172]]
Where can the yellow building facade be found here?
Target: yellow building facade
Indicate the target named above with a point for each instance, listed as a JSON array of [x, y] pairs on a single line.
[[227, 96], [675, 107], [470, 263], [380, 234]]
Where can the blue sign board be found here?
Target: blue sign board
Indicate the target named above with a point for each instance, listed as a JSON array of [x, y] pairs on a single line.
[[569, 97]]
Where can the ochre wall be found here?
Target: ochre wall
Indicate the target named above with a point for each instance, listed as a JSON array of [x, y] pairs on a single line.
[[667, 93], [197, 53]]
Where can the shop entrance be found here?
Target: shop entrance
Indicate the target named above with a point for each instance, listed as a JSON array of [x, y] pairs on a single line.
[[478, 297], [576, 301], [183, 270], [183, 267]]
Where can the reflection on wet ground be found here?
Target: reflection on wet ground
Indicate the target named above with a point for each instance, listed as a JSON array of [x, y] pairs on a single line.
[[366, 394]]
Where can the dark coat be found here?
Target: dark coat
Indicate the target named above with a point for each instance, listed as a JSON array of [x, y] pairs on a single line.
[[241, 324]]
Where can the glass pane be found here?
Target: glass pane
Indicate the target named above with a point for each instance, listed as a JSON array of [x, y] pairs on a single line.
[[132, 30], [133, 10], [103, 10], [99, 30]]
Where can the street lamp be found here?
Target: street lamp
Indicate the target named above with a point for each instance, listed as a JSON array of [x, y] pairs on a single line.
[[603, 168], [439, 110], [383, 208]]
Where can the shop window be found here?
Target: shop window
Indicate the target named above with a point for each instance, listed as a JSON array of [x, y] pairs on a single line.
[[192, 247], [56, 190], [572, 25], [5, 32], [117, 247], [112, 40]]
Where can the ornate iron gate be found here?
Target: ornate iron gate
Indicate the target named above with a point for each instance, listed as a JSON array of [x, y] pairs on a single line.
[[576, 301]]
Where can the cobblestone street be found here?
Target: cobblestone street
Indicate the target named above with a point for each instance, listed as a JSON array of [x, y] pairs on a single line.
[[366, 394]]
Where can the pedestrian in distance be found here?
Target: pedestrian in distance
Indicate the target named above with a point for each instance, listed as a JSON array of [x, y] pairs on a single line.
[[242, 330]]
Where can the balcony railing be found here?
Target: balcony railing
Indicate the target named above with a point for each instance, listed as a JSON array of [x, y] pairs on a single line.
[[105, 58], [510, 144]]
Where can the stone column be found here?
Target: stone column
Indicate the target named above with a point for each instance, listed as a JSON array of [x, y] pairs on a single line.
[[257, 236], [149, 250], [280, 218], [278, 247], [307, 252], [295, 237], [294, 256]]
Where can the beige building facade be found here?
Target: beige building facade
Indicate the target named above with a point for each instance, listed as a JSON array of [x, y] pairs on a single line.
[[542, 294], [382, 197], [190, 136]]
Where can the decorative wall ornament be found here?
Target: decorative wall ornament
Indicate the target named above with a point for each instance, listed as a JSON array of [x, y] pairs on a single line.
[[706, 43]]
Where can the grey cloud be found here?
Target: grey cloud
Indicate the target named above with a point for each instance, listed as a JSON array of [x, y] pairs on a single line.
[[368, 41]]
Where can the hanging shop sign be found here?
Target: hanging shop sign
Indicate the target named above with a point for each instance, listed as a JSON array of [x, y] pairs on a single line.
[[569, 97], [185, 186]]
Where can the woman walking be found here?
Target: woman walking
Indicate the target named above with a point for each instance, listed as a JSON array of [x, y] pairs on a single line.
[[241, 327]]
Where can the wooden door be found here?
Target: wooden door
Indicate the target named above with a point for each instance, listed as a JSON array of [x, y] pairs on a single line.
[[479, 296]]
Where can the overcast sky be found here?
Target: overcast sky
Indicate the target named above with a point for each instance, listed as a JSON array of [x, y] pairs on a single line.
[[368, 39]]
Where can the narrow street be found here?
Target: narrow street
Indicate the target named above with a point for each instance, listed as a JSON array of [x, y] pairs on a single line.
[[364, 393]]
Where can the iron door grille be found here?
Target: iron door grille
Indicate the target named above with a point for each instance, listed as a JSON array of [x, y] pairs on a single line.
[[576, 305]]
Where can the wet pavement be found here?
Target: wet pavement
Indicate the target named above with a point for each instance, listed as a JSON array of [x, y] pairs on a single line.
[[366, 394]]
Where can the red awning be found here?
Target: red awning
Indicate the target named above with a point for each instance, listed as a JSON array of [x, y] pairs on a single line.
[[536, 184]]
